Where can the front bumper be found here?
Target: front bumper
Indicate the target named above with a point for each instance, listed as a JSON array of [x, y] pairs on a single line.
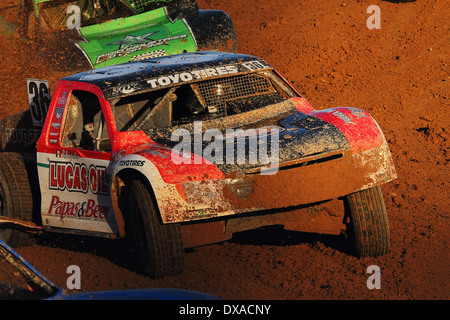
[[296, 183]]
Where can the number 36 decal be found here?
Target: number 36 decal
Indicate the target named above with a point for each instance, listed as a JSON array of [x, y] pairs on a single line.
[[38, 100]]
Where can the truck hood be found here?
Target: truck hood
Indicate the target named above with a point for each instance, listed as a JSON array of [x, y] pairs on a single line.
[[264, 138]]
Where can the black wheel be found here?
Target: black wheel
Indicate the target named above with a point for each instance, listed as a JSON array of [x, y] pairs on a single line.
[[16, 200], [368, 228], [159, 246], [215, 31]]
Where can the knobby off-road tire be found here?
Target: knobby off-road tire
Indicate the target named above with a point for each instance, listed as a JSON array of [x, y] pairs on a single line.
[[368, 228], [16, 200], [159, 246]]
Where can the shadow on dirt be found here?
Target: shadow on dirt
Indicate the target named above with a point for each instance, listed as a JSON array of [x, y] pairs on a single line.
[[278, 236], [118, 251], [122, 253]]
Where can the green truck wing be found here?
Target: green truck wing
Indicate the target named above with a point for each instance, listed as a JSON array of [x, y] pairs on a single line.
[[147, 35]]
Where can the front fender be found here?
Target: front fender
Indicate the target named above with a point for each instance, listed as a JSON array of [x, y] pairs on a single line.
[[166, 194], [358, 126], [366, 139], [181, 190]]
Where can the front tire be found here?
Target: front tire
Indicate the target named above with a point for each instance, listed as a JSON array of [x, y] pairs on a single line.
[[368, 228], [159, 246]]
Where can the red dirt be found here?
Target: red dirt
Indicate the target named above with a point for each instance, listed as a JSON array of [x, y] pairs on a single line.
[[398, 73]]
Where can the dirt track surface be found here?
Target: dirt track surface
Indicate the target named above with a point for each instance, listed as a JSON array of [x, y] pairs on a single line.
[[399, 73]]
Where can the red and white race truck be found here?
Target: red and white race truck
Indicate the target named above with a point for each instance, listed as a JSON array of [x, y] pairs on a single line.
[[170, 152]]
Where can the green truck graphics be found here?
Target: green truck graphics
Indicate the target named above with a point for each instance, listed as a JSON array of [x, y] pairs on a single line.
[[138, 37]]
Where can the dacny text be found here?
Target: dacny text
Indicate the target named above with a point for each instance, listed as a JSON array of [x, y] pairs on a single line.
[[226, 309]]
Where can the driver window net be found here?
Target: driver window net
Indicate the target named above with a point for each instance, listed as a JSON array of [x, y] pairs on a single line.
[[216, 93]]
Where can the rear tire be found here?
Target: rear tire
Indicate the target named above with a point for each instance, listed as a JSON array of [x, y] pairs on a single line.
[[16, 200], [159, 246], [368, 228]]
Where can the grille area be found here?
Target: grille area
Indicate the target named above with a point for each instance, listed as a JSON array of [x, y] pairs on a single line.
[[216, 93]]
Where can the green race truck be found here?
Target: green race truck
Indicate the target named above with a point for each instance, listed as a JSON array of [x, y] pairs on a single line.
[[110, 32]]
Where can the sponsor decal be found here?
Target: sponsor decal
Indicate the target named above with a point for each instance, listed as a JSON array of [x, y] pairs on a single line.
[[58, 112], [206, 73], [129, 49], [22, 135], [62, 99], [187, 76], [88, 209], [133, 40], [67, 154], [77, 177], [127, 88], [131, 163], [342, 116], [192, 75], [253, 65], [359, 113], [149, 55]]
